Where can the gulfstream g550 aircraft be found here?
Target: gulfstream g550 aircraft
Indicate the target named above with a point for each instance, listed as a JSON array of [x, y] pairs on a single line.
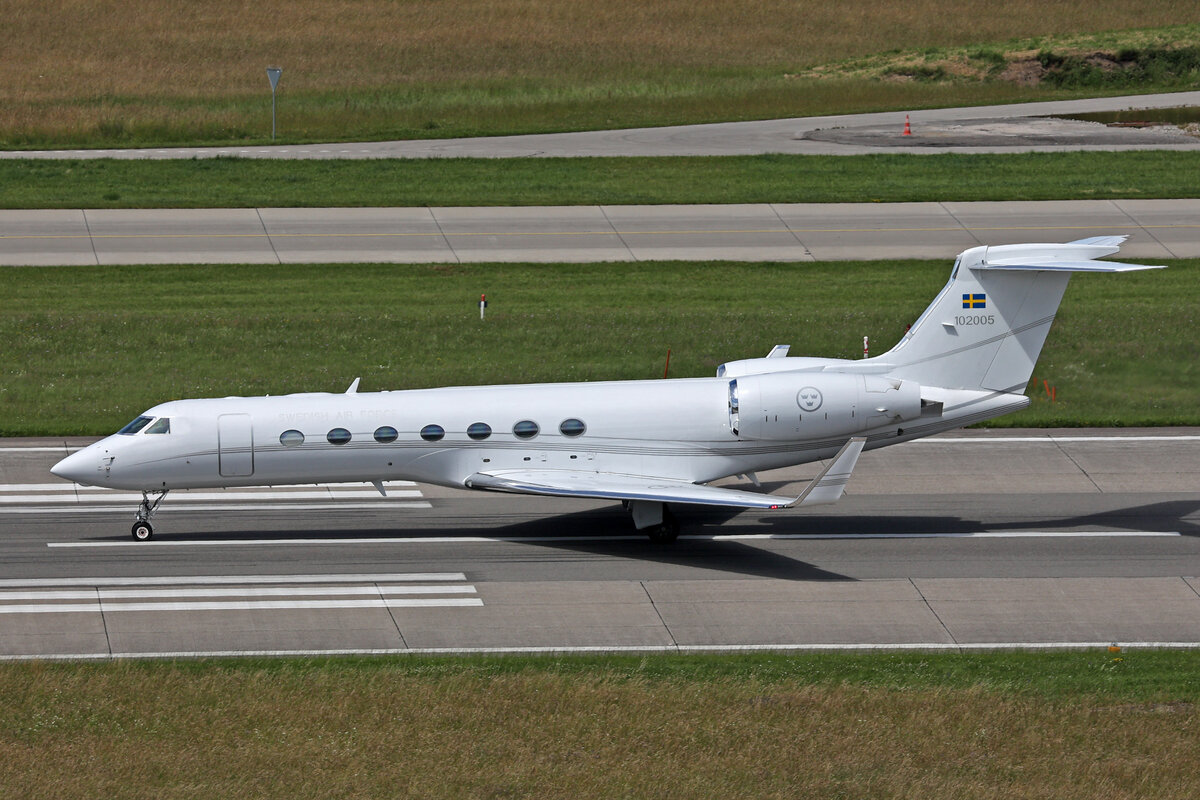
[[648, 443]]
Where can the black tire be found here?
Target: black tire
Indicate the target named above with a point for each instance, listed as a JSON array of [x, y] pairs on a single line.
[[667, 532], [142, 532]]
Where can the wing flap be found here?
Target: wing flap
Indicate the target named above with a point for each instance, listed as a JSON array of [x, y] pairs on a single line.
[[825, 488]]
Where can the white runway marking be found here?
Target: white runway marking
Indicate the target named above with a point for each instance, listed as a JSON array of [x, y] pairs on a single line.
[[237, 593], [736, 648], [258, 591], [219, 580], [240, 605], [706, 537], [70, 498]]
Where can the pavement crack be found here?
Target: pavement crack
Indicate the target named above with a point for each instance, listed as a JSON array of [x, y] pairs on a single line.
[[674, 644], [933, 611]]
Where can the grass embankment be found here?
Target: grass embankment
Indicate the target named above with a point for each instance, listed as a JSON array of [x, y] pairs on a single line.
[[87, 349], [1052, 725], [103, 73], [256, 183]]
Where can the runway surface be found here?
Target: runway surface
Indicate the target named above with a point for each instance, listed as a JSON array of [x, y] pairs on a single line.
[[968, 540], [992, 129], [799, 232]]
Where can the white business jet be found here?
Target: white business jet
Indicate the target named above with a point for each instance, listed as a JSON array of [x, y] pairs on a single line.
[[648, 444]]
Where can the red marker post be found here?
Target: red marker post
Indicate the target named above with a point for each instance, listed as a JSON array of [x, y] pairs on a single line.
[[482, 304]]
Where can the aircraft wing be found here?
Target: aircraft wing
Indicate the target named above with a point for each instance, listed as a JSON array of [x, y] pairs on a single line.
[[825, 488]]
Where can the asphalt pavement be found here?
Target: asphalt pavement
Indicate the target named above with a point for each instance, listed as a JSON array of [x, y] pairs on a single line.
[[764, 232], [994, 129], [967, 540]]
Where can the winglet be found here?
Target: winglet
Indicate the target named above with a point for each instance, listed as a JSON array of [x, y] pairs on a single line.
[[353, 387], [829, 486]]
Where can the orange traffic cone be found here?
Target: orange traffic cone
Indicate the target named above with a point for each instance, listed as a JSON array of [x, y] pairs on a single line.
[[907, 129]]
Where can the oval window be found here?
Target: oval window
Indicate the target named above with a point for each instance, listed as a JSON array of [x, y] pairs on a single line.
[[479, 430], [572, 427], [386, 434], [432, 433], [338, 436], [526, 429], [291, 438]]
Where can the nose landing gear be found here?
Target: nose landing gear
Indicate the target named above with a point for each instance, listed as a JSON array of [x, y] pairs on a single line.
[[142, 530]]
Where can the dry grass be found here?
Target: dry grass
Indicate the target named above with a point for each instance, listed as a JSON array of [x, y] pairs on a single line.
[[136, 731], [76, 69]]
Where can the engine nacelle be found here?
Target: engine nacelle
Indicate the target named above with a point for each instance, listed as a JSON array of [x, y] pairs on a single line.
[[809, 405]]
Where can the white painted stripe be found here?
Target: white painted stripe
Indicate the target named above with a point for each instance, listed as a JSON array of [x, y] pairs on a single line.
[[629, 537], [243, 592], [220, 580], [123, 497], [465, 651], [241, 605], [381, 503], [1050, 439], [966, 535], [119, 497], [336, 488], [59, 449]]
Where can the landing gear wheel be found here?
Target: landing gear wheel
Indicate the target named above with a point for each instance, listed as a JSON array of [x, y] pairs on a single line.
[[667, 532], [142, 531]]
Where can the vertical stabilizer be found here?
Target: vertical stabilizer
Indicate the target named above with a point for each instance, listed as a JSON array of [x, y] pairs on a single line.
[[986, 328]]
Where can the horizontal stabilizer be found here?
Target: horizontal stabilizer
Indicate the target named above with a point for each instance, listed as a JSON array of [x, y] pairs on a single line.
[[825, 488], [1060, 265]]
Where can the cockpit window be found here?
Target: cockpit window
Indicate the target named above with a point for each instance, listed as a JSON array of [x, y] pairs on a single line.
[[135, 426], [162, 426]]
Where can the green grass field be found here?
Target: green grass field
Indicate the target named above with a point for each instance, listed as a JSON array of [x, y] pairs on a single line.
[[229, 182], [87, 349], [99, 75], [1064, 725]]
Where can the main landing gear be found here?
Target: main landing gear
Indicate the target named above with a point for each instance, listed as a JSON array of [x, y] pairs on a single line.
[[143, 531], [656, 520]]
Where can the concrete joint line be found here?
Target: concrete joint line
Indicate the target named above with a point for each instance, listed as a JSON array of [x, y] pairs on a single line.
[[104, 622], [674, 644], [391, 613], [1082, 471], [1117, 205], [1188, 584], [91, 239], [613, 227], [960, 224], [788, 228], [266, 233], [442, 233], [921, 594]]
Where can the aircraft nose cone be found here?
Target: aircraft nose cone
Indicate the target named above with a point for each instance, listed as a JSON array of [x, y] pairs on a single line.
[[79, 467]]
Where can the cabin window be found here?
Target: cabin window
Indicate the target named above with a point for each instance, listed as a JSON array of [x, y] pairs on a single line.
[[135, 426], [338, 436], [291, 438], [526, 429], [162, 426], [432, 433], [386, 434], [572, 427], [479, 430]]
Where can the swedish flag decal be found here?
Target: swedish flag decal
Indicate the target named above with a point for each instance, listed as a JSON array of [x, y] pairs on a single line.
[[974, 301]]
